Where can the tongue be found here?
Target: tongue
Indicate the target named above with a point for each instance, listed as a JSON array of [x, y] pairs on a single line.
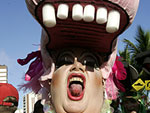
[[75, 89]]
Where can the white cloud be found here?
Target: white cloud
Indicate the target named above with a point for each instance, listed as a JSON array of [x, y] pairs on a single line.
[[4, 59]]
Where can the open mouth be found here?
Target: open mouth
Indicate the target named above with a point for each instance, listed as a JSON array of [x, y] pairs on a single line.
[[75, 86]]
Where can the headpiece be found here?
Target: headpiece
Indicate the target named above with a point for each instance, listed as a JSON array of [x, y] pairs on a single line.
[[92, 24]]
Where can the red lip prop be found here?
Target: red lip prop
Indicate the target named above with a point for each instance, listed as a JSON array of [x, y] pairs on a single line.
[[76, 86]]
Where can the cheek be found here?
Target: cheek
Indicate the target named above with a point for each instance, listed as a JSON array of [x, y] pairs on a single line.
[[56, 80], [58, 86], [97, 79], [59, 79], [59, 75]]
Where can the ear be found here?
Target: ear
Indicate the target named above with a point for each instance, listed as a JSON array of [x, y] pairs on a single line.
[[107, 66]]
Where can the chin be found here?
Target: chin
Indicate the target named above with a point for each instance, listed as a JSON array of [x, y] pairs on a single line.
[[63, 104], [85, 105], [71, 106], [74, 108]]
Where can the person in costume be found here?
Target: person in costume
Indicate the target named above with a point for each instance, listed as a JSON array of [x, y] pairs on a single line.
[[77, 51]]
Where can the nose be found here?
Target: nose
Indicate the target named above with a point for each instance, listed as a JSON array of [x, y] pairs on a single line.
[[77, 66]]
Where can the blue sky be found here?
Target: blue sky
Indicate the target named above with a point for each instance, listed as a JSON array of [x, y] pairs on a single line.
[[19, 33]]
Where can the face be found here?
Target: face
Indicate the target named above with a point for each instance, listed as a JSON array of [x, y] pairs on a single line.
[[76, 86], [131, 105]]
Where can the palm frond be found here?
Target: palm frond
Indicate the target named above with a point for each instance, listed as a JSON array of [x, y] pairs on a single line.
[[132, 48], [125, 54], [147, 36], [142, 39], [142, 43]]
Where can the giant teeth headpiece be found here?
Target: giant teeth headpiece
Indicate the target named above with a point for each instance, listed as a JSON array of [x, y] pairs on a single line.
[[91, 24]]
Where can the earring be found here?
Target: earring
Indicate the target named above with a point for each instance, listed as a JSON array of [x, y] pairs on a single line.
[[104, 89], [49, 95], [103, 82]]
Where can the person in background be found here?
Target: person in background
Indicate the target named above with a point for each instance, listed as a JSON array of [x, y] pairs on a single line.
[[38, 107], [9, 98]]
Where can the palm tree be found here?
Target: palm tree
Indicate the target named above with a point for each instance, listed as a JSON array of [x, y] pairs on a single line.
[[125, 54], [142, 44]]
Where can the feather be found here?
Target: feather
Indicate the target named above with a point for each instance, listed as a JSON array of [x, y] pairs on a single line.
[[119, 70]]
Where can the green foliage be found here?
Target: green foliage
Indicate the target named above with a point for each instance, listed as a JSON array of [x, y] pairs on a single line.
[[125, 54], [142, 43]]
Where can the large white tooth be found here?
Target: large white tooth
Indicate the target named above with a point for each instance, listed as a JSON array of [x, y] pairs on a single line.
[[71, 80], [48, 14], [75, 79], [113, 21], [101, 15], [78, 79], [89, 13], [77, 12], [62, 12]]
